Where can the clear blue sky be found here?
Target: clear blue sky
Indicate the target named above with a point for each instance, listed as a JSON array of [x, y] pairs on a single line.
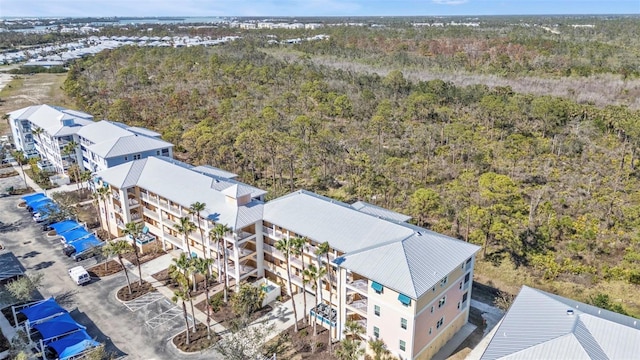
[[77, 8]]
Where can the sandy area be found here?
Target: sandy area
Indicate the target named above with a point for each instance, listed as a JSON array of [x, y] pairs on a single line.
[[4, 80]]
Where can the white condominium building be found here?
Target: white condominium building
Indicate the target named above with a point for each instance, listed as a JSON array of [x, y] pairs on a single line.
[[409, 286]]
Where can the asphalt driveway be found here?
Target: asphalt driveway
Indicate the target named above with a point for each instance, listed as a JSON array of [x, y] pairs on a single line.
[[140, 334]]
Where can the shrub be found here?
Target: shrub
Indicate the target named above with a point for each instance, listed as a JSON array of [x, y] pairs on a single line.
[[216, 301]]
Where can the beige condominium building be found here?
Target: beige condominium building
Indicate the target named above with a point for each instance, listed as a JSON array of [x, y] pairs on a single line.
[[409, 286]]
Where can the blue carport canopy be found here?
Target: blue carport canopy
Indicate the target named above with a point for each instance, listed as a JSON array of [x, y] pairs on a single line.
[[39, 202], [33, 197], [59, 325], [43, 310], [75, 234], [85, 243], [64, 226], [44, 206], [73, 344]]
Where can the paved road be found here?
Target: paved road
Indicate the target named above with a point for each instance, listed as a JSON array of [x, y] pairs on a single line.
[[138, 334]]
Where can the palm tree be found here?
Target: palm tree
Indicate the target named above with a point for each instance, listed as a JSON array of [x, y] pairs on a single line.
[[195, 209], [84, 177], [297, 248], [185, 227], [70, 148], [284, 245], [324, 249], [379, 349], [181, 295], [315, 275], [38, 131], [179, 271], [134, 229], [21, 159], [350, 346], [214, 237], [221, 230], [119, 248], [103, 193], [203, 266]]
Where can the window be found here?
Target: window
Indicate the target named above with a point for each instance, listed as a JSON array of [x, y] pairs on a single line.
[[376, 310], [460, 285], [126, 158], [442, 302], [467, 277], [458, 304], [443, 282], [403, 345], [376, 332], [157, 152], [440, 323], [434, 289], [432, 309], [136, 157], [403, 323], [430, 330], [165, 152], [464, 297]]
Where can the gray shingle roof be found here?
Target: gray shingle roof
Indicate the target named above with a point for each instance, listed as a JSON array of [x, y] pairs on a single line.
[[539, 326], [169, 179], [403, 257]]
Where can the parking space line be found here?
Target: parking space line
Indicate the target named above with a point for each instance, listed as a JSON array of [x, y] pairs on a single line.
[[143, 301], [164, 317]]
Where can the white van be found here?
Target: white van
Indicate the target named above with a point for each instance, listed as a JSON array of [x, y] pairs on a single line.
[[79, 275]]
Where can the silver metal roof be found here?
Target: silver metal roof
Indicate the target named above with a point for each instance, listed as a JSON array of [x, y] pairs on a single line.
[[207, 169], [169, 179], [100, 131], [540, 325], [111, 139], [50, 119], [126, 145], [323, 219], [379, 211], [401, 256], [412, 265]]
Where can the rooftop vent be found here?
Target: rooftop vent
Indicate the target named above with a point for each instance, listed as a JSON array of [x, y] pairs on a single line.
[[419, 233], [570, 312]]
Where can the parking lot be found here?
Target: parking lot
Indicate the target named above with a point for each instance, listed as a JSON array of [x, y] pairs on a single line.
[[140, 329]]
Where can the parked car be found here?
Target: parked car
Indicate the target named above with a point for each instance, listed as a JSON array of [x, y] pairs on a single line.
[[89, 253], [79, 275], [68, 250]]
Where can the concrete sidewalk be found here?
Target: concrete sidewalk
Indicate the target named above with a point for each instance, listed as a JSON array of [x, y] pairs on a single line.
[[281, 316]]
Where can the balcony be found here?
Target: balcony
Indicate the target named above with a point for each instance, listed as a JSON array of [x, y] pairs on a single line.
[[149, 199], [245, 269], [133, 203], [173, 240], [272, 233], [359, 285], [359, 306], [150, 213], [273, 251], [45, 165]]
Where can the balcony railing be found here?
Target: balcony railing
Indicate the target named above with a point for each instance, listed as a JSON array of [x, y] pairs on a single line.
[[272, 233], [360, 285], [150, 213]]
